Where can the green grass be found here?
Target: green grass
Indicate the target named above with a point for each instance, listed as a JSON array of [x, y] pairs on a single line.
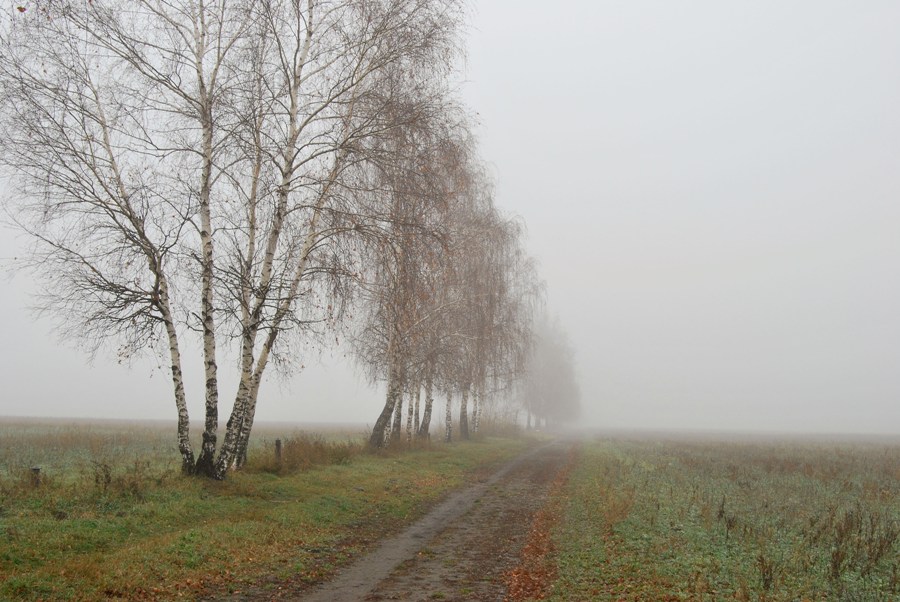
[[774, 521], [147, 532]]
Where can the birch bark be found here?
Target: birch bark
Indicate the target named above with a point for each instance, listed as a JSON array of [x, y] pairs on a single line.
[[476, 408], [448, 419], [429, 400], [464, 413], [188, 464], [379, 431], [397, 426], [205, 464], [412, 426]]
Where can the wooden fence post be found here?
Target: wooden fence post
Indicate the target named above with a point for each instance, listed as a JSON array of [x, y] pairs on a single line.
[[278, 451]]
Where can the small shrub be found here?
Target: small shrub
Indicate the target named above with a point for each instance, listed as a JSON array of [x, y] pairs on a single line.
[[135, 480], [301, 452], [102, 476]]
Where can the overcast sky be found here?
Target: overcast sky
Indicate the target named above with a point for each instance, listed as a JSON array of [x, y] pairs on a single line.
[[712, 190]]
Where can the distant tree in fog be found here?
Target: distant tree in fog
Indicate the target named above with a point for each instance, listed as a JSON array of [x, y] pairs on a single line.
[[550, 390]]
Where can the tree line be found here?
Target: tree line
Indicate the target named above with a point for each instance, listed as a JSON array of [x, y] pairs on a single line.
[[258, 176]]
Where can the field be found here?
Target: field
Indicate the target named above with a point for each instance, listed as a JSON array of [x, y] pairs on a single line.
[[748, 520], [112, 518], [612, 519]]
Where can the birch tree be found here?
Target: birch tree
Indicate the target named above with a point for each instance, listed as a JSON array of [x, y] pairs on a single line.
[[499, 289], [513, 295], [186, 168], [341, 67], [408, 250], [448, 304]]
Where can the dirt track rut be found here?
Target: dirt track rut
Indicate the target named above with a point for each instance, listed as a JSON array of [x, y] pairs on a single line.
[[461, 549]]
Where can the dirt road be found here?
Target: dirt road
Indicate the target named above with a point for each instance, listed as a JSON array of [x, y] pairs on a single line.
[[460, 550]]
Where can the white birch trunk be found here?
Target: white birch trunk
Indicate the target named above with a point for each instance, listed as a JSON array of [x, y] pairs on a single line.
[[205, 464], [423, 430], [414, 430], [476, 408], [464, 413], [397, 426], [382, 424], [184, 439], [448, 419], [162, 299]]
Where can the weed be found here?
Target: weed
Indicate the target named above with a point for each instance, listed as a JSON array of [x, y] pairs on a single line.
[[767, 571], [758, 520], [730, 524], [894, 583], [102, 476]]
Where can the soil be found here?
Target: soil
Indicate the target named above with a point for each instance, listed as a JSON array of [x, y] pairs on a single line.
[[464, 549]]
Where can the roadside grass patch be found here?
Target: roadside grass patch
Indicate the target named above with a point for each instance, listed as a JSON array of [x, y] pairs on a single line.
[[680, 520], [136, 529]]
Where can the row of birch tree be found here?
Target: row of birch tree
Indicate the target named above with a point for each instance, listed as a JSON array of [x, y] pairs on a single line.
[[240, 173], [449, 304], [229, 178]]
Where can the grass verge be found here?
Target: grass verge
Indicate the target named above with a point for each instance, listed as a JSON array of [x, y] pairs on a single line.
[[167, 537]]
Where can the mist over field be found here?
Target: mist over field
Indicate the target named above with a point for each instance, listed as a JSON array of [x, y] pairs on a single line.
[[711, 194]]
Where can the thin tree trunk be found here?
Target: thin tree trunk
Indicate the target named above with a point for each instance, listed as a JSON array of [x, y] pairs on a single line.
[[238, 414], [429, 400], [397, 427], [379, 434], [184, 440], [448, 419], [250, 315], [205, 463], [236, 447], [464, 414], [415, 428], [476, 408], [247, 423], [248, 411], [379, 431], [409, 419], [162, 299]]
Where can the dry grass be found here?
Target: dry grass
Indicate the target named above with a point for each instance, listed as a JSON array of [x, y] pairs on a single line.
[[301, 451], [125, 524]]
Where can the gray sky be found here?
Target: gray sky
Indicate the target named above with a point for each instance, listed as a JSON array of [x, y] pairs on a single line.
[[712, 189]]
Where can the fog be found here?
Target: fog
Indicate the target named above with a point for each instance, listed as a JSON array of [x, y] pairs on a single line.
[[712, 190]]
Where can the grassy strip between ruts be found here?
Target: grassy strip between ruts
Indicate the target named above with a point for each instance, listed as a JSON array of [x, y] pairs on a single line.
[[767, 521], [184, 537], [536, 571]]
